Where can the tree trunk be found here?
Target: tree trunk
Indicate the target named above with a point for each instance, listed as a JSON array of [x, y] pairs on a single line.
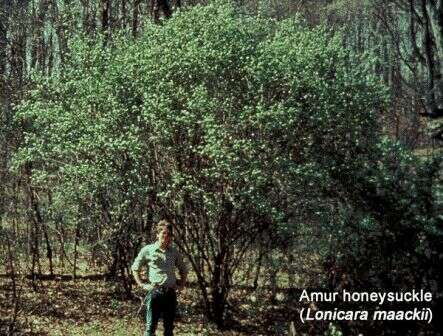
[[135, 15], [220, 287], [15, 292], [4, 103], [39, 224], [165, 8], [258, 270], [48, 249], [435, 9], [106, 11], [434, 95], [123, 16], [76, 241], [36, 220]]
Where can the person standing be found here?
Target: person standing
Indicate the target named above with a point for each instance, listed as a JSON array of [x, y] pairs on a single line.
[[161, 259]]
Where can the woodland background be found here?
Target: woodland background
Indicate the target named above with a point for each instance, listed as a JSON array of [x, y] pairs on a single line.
[[293, 144]]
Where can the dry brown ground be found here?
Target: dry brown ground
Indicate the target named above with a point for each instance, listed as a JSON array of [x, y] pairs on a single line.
[[97, 307]]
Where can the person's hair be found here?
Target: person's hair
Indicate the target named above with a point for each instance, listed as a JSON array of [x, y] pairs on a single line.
[[164, 224]]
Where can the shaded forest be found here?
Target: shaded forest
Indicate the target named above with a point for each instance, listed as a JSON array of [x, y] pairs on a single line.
[[292, 144]]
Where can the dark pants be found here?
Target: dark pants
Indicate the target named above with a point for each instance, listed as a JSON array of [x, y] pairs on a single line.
[[160, 302]]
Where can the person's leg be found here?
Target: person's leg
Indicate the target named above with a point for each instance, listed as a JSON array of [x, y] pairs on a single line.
[[152, 313], [169, 310]]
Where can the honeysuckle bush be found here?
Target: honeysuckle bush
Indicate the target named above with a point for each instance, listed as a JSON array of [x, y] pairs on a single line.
[[390, 221], [231, 126], [388, 236]]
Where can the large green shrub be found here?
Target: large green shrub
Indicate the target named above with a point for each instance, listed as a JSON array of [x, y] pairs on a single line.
[[227, 124]]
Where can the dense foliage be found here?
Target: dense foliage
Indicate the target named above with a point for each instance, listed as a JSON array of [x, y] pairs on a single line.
[[235, 128]]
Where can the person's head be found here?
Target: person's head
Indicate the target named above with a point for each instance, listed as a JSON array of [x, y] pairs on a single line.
[[164, 233]]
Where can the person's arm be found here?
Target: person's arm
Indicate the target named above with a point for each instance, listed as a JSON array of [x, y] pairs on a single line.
[[137, 279], [139, 261]]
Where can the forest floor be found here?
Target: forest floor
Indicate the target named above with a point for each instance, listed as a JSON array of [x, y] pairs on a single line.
[[64, 307], [93, 306]]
